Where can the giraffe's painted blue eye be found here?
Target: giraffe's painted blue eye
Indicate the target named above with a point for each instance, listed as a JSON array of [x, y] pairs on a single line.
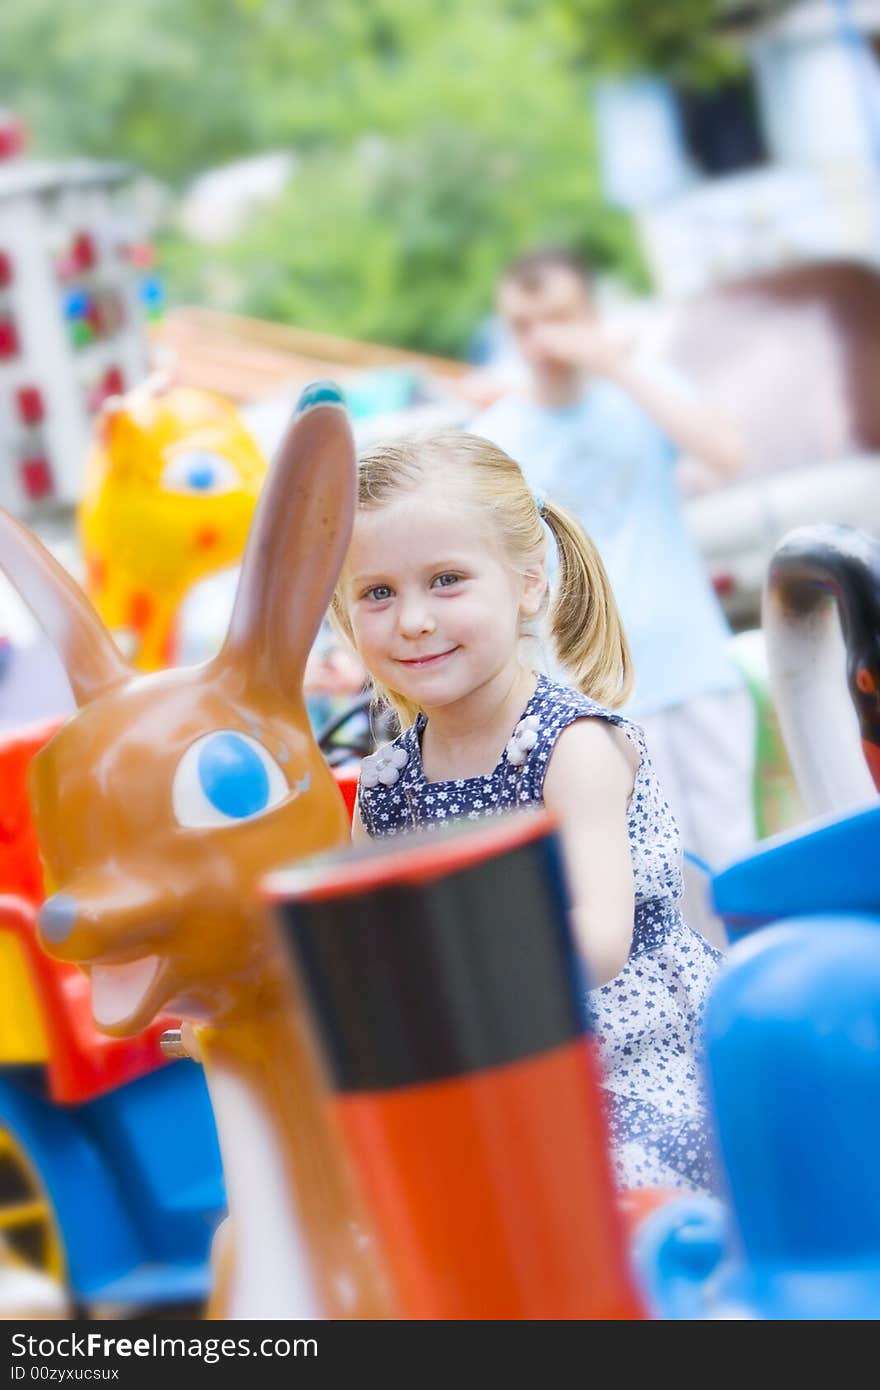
[[199, 472], [224, 777]]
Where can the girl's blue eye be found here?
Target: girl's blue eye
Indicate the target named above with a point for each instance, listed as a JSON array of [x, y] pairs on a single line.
[[379, 592], [445, 580], [224, 777]]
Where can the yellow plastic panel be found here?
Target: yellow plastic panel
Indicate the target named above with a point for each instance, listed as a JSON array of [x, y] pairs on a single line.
[[22, 1038]]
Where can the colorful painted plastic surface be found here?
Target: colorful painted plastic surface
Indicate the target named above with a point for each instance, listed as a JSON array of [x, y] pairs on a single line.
[[45, 1006], [170, 492], [20, 869], [118, 1197], [81, 1062], [463, 1070], [792, 1035], [793, 1025], [159, 805], [89, 1198], [834, 865], [778, 804], [637, 1204], [347, 781], [23, 1037], [823, 580], [677, 1250]]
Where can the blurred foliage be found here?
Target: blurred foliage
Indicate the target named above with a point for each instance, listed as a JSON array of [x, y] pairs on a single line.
[[435, 138], [401, 241], [679, 39]]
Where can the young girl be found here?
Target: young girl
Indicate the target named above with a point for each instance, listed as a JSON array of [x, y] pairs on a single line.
[[444, 580]]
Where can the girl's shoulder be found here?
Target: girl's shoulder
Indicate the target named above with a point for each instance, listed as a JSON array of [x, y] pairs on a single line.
[[556, 705], [554, 708]]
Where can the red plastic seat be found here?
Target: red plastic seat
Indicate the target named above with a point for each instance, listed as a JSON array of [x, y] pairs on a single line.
[[347, 777], [20, 869]]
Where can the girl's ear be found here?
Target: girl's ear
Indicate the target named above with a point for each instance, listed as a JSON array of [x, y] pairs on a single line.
[[297, 542], [534, 588]]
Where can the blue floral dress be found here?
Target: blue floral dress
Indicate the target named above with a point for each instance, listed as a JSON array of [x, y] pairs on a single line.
[[648, 1019]]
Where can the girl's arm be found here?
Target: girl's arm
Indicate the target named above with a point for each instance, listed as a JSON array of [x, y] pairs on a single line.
[[587, 787], [358, 829]]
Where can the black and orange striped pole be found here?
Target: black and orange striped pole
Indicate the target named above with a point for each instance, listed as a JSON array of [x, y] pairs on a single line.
[[446, 992]]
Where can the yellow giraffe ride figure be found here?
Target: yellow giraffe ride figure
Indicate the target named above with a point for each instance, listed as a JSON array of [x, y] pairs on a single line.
[[170, 491]]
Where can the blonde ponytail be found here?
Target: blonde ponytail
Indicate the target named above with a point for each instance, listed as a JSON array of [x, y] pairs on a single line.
[[585, 624]]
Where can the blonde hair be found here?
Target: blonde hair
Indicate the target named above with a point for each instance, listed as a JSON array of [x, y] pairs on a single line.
[[585, 626]]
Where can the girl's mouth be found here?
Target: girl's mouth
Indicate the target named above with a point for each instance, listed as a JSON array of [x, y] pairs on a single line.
[[416, 663]]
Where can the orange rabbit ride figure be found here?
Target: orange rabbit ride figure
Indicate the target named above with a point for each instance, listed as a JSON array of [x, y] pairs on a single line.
[[159, 806], [170, 491]]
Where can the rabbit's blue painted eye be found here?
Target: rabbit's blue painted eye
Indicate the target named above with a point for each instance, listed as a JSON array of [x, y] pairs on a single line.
[[224, 777], [199, 471], [233, 776]]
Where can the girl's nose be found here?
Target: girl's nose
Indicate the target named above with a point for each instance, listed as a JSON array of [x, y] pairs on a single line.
[[57, 917], [414, 619]]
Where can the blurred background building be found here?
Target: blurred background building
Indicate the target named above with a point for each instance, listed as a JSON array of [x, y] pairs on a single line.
[[778, 164], [75, 292]]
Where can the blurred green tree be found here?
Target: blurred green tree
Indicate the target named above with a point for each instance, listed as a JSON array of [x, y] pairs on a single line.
[[684, 41], [435, 139]]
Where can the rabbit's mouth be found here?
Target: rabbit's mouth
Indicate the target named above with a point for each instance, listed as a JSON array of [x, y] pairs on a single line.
[[119, 991]]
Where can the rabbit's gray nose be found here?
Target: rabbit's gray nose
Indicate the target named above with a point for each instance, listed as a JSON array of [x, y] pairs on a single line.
[[57, 917]]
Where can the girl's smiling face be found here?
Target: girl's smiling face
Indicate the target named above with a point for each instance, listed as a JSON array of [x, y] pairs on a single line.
[[435, 609]]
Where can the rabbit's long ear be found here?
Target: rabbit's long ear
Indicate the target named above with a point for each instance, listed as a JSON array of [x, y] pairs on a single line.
[[90, 656], [297, 543]]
